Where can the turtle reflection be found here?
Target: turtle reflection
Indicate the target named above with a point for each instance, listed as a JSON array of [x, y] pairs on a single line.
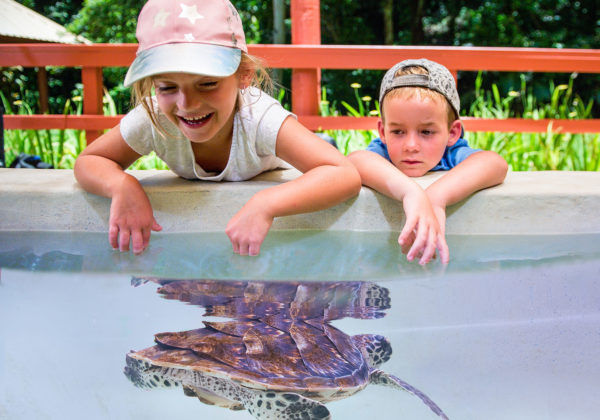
[[279, 358]]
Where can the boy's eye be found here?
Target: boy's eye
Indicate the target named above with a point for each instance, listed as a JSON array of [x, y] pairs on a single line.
[[428, 132]]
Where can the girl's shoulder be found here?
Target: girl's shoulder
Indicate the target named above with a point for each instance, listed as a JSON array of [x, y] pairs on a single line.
[[256, 98], [255, 104]]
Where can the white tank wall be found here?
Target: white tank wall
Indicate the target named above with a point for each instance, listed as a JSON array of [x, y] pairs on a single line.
[[527, 203]]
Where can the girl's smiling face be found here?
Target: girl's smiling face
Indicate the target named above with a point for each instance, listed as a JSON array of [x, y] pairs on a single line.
[[416, 133], [201, 106]]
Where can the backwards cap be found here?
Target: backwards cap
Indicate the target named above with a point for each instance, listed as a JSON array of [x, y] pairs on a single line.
[[203, 37], [439, 79]]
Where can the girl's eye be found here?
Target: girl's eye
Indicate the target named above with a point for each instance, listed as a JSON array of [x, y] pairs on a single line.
[[165, 89], [208, 85]]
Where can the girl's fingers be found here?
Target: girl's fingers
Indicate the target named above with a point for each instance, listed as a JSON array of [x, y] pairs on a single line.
[[137, 241], [146, 237], [124, 237], [254, 249], [113, 236], [155, 226]]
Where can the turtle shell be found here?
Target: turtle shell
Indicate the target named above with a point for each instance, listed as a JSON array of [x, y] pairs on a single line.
[[309, 357], [304, 300]]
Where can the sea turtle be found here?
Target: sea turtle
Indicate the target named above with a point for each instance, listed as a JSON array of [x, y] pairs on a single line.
[[276, 367], [253, 299]]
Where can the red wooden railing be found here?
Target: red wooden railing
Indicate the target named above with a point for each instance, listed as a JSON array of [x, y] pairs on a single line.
[[306, 61]]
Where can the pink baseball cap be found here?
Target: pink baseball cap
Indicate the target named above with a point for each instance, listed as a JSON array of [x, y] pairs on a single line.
[[187, 36]]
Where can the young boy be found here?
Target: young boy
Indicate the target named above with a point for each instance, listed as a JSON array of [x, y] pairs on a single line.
[[420, 131]]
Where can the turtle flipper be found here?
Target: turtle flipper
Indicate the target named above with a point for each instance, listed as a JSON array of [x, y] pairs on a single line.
[[382, 378], [269, 405]]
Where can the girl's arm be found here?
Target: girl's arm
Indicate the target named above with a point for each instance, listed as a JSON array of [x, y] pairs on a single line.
[[421, 234], [480, 170], [99, 169], [328, 179]]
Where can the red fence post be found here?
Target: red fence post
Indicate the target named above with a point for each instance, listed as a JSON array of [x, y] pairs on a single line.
[[306, 83], [91, 77]]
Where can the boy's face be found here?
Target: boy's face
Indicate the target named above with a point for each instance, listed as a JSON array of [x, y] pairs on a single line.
[[416, 132]]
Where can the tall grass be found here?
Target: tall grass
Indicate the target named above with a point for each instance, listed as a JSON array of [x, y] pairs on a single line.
[[56, 147], [59, 148], [537, 151], [522, 151], [350, 140]]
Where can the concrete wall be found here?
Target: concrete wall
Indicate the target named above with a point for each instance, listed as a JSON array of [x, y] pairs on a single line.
[[527, 203]]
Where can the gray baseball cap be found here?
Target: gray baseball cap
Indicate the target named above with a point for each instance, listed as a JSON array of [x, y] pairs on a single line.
[[439, 79]]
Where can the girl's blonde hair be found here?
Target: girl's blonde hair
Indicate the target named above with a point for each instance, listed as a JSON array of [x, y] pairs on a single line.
[[250, 66], [410, 92]]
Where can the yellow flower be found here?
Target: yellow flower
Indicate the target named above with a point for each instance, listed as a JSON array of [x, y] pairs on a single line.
[[355, 85], [18, 102], [374, 112], [513, 93], [366, 98]]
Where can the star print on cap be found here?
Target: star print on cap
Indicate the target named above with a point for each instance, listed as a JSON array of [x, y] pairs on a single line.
[[187, 36]]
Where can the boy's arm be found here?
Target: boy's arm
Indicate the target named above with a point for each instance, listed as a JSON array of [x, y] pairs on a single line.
[[480, 170], [381, 175], [99, 169], [328, 178]]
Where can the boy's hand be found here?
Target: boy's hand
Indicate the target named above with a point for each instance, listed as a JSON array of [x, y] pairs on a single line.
[[248, 228], [422, 233], [131, 218]]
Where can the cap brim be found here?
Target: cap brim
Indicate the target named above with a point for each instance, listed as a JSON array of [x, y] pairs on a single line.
[[194, 58]]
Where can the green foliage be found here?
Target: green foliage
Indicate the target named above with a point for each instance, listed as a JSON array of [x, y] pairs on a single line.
[[348, 141], [537, 151], [57, 147]]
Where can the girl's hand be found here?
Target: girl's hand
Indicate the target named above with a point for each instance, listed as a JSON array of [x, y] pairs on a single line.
[[131, 218], [422, 233], [248, 228]]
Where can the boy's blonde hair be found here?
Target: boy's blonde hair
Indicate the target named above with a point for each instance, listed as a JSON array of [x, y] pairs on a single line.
[[142, 90], [409, 92]]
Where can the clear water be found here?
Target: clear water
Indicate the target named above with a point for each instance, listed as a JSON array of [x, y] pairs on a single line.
[[510, 329]]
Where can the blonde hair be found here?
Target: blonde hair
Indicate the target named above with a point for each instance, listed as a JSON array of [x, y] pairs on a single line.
[[142, 90], [409, 92]]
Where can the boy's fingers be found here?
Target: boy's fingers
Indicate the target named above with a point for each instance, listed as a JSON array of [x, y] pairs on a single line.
[[429, 251], [443, 248], [407, 230]]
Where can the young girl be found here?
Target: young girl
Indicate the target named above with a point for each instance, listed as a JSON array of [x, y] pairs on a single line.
[[208, 121]]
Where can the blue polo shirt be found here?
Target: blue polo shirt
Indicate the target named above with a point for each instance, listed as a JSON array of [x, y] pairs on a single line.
[[453, 155]]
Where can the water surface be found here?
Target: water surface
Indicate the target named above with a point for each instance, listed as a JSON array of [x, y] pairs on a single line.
[[510, 329]]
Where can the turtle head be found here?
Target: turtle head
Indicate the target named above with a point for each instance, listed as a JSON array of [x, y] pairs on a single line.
[[376, 349], [145, 375]]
